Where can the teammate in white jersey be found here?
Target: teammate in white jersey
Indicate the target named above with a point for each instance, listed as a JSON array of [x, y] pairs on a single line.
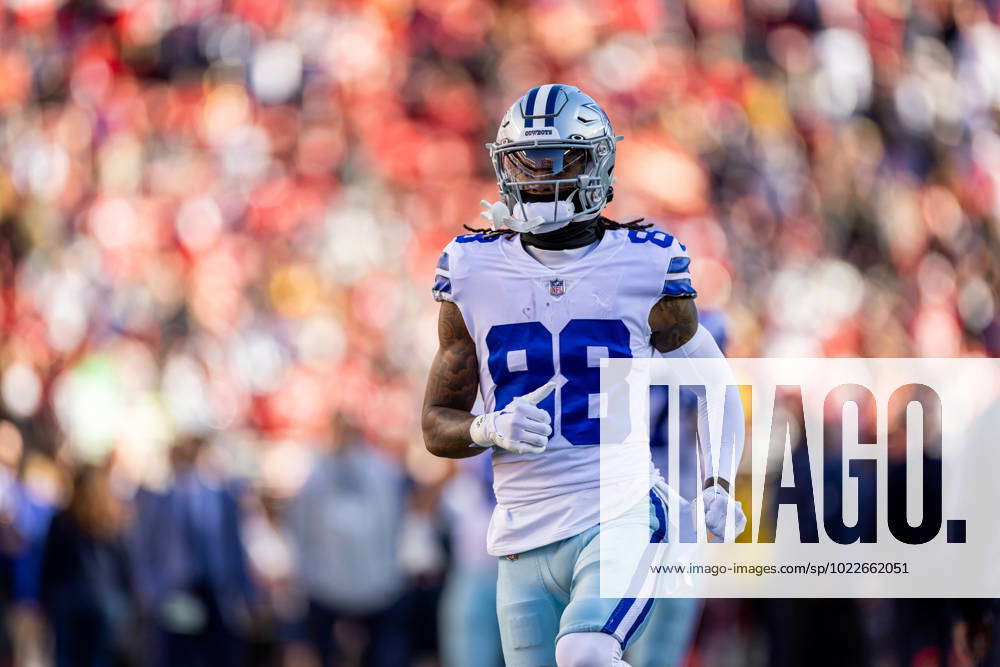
[[529, 307]]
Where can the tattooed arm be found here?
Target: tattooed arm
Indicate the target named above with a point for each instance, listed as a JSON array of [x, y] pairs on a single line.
[[674, 320], [451, 389]]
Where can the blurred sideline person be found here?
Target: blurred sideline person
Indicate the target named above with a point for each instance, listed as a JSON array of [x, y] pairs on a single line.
[[190, 562], [801, 630], [529, 307], [25, 514], [86, 583], [470, 634], [674, 621], [344, 526], [975, 629], [278, 602]]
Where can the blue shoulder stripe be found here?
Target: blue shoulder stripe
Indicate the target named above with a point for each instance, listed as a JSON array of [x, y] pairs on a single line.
[[678, 288], [443, 261], [678, 264], [442, 284]]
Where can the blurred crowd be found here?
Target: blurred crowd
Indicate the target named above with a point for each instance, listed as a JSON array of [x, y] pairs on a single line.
[[219, 226]]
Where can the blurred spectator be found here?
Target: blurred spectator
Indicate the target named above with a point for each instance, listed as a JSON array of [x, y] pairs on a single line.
[[279, 604], [345, 525], [975, 632], [469, 631], [86, 586], [24, 521], [191, 564], [421, 549]]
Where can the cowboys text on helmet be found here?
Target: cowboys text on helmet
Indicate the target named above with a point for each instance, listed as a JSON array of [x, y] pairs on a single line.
[[553, 156]]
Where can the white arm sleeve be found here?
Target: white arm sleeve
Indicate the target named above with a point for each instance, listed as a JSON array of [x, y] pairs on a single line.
[[720, 432]]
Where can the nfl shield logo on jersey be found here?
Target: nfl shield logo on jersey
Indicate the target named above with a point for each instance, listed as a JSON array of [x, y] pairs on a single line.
[[557, 287]]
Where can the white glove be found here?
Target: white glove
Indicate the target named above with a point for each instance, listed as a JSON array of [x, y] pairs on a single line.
[[521, 427], [499, 217], [717, 502]]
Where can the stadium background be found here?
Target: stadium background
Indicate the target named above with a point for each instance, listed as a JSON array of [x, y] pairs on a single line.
[[219, 226]]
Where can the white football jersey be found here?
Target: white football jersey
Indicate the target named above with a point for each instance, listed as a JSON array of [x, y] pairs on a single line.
[[532, 324]]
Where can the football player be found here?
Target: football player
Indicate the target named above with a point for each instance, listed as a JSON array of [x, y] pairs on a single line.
[[529, 307]]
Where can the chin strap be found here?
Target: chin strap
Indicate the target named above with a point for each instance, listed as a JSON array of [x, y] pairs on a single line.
[[573, 235]]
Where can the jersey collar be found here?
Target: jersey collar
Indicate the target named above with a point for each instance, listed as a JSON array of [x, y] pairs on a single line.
[[513, 250]]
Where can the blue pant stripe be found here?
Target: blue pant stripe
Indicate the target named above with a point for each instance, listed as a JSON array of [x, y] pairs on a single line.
[[638, 621], [625, 604], [617, 615]]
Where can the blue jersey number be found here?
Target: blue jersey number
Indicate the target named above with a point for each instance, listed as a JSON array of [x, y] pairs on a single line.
[[521, 358]]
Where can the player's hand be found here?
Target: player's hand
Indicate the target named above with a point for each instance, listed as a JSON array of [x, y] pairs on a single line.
[[717, 505], [522, 427], [499, 217]]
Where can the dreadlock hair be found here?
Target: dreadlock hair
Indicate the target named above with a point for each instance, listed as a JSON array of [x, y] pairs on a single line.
[[605, 224]]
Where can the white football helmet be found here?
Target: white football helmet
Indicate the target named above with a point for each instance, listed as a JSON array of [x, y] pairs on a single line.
[[555, 144]]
